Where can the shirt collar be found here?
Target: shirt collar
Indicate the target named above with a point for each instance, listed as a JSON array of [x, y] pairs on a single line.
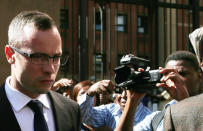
[[170, 103], [19, 100]]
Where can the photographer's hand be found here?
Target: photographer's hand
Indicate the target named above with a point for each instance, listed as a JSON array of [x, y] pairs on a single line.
[[133, 95], [129, 101], [101, 87], [62, 82], [174, 84], [127, 118]]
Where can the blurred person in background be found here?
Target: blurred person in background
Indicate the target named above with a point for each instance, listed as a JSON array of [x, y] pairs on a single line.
[[196, 41], [80, 89], [187, 115], [109, 114], [64, 86], [180, 66]]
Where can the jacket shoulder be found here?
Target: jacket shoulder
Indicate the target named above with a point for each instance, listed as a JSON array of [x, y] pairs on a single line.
[[63, 100]]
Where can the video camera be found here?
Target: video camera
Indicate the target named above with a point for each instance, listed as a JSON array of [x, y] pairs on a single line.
[[127, 76]]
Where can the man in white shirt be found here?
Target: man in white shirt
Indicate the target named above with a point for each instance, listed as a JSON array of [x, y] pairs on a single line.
[[35, 54]]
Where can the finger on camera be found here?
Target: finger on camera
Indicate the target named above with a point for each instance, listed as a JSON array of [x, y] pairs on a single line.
[[167, 70], [171, 76]]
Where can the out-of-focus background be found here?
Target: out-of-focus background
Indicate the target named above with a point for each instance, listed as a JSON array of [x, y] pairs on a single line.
[[97, 33]]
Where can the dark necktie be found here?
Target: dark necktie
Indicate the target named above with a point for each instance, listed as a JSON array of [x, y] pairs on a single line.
[[39, 120]]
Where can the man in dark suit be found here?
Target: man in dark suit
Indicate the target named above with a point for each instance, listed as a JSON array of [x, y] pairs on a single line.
[[35, 54], [187, 115]]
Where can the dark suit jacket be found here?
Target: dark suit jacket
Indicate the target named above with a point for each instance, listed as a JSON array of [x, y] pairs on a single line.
[[65, 111], [186, 115]]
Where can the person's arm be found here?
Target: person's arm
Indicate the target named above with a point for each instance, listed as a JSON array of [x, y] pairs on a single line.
[[101, 87], [90, 114], [63, 82], [127, 118]]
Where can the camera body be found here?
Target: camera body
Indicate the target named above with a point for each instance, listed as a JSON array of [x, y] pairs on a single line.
[[127, 76]]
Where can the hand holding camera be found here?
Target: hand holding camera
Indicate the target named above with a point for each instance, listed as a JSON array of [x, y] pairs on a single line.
[[173, 83], [127, 76], [101, 87]]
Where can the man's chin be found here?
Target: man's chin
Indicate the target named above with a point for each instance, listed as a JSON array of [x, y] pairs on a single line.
[[44, 89]]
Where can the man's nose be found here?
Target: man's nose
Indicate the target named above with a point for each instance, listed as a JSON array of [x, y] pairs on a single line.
[[50, 67]]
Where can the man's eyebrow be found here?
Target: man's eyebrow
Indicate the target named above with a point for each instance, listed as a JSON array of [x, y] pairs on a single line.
[[40, 53]]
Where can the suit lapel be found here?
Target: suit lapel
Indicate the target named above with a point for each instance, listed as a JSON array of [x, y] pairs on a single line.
[[58, 109], [8, 120]]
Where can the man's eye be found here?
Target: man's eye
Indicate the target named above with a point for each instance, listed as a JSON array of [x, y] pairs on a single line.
[[182, 73], [57, 57], [38, 55]]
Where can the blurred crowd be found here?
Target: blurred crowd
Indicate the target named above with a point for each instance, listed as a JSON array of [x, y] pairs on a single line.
[[31, 100], [102, 108]]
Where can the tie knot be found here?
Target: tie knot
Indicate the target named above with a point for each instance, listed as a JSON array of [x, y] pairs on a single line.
[[36, 106]]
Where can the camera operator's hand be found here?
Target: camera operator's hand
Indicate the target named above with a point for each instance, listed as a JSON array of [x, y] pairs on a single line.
[[134, 98], [173, 83], [131, 94], [101, 87], [61, 83], [126, 121], [137, 94]]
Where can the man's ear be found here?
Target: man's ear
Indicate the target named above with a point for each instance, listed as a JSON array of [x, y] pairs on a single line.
[[9, 54]]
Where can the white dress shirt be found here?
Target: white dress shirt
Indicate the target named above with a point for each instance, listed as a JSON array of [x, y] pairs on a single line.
[[24, 115]]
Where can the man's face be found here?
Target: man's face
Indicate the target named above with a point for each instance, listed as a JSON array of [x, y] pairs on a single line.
[[190, 76], [122, 98], [29, 78]]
